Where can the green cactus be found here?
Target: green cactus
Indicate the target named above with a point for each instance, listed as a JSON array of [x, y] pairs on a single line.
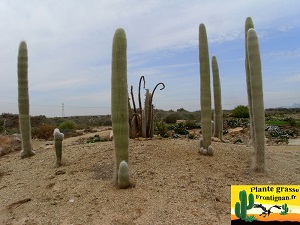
[[205, 92], [285, 209], [23, 100], [119, 100], [218, 117], [242, 207], [58, 138], [254, 62], [249, 25], [123, 175]]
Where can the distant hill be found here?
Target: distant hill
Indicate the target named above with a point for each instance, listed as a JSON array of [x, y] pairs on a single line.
[[295, 106]]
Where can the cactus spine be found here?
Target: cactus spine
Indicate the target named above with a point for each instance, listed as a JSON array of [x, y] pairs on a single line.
[[241, 208], [248, 25], [119, 100], [218, 117], [23, 100], [58, 138], [205, 93], [254, 62]]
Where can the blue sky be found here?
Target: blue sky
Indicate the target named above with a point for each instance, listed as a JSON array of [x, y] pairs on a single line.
[[69, 46]]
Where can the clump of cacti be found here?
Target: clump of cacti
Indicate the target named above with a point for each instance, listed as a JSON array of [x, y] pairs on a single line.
[[141, 120], [218, 112], [205, 93], [248, 25], [258, 111], [58, 138], [23, 100], [242, 206], [119, 105]]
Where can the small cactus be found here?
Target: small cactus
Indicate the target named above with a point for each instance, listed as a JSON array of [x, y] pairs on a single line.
[[23, 100], [58, 138], [242, 206], [119, 100], [285, 209], [205, 93], [123, 175]]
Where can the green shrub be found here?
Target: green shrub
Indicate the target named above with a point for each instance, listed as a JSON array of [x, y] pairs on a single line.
[[171, 118], [180, 129], [241, 111], [192, 124], [160, 128], [67, 125]]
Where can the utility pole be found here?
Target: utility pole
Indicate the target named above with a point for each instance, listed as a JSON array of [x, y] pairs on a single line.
[[63, 110]]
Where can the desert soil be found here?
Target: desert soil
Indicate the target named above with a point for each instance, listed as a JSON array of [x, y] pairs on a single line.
[[174, 184]]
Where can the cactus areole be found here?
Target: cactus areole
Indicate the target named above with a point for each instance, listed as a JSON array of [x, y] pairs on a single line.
[[119, 99], [23, 101]]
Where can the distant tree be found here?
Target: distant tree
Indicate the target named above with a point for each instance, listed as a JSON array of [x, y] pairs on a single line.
[[172, 117], [241, 111]]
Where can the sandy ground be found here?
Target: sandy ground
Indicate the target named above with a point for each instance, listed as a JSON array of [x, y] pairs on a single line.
[[174, 183]]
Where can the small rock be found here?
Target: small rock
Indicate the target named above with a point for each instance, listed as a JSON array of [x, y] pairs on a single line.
[[59, 172]]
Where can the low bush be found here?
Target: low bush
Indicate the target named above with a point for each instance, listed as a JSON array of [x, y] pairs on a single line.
[[241, 111], [67, 125], [45, 132]]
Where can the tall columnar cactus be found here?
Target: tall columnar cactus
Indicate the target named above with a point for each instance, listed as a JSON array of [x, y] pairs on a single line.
[[119, 101], [23, 100], [218, 117], [242, 206], [254, 62], [205, 93], [58, 138], [248, 25]]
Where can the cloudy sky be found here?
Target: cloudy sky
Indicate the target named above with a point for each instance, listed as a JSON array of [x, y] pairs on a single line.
[[69, 47]]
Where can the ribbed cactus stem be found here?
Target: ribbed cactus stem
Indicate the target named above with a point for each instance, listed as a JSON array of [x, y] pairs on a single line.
[[218, 112], [119, 101], [248, 25], [58, 138], [23, 100], [205, 92], [257, 100]]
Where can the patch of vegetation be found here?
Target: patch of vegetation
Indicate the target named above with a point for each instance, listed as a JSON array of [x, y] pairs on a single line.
[[180, 129], [45, 132], [241, 111], [277, 122], [67, 125], [96, 138]]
